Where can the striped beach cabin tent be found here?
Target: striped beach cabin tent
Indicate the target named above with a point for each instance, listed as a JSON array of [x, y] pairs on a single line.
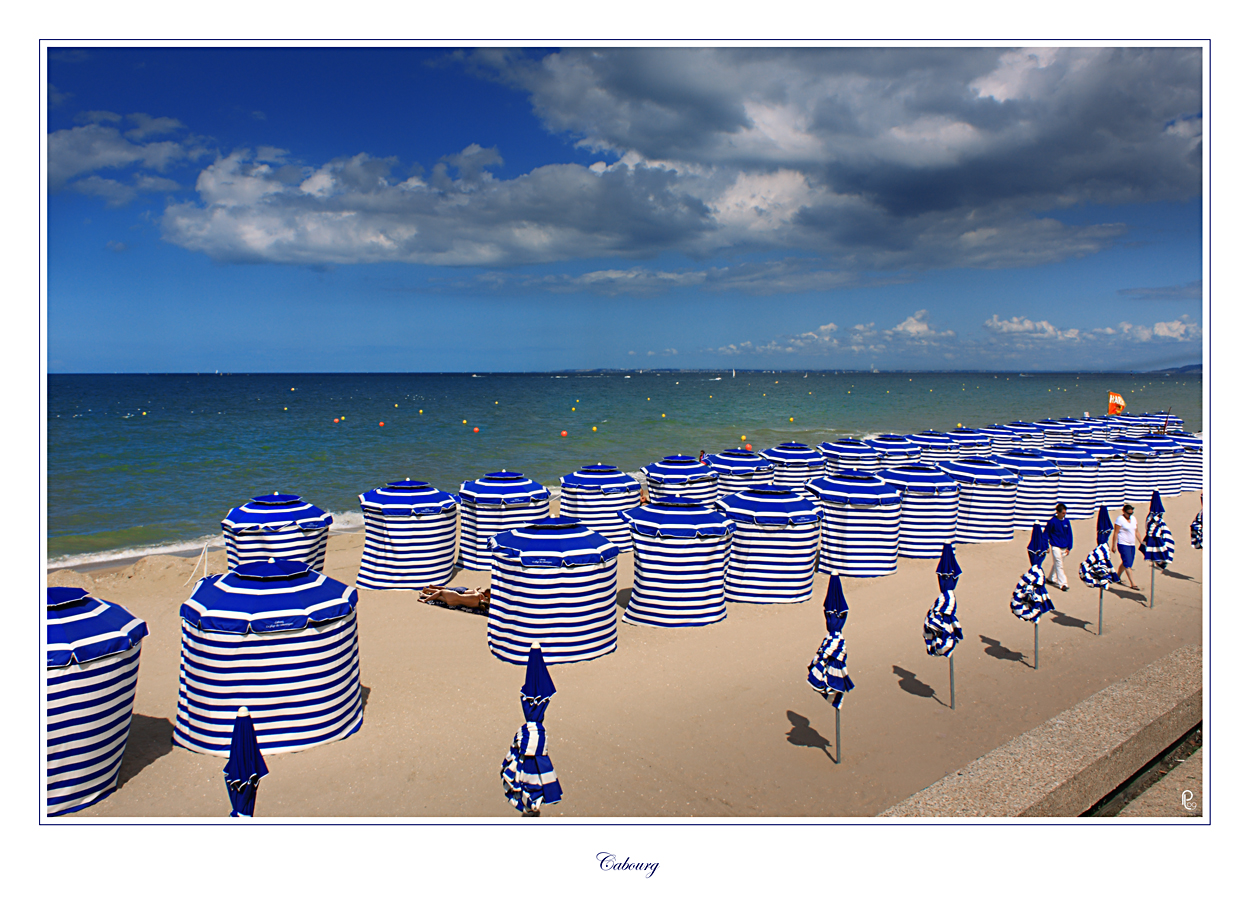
[[1028, 435], [1001, 437], [737, 469], [499, 501], [935, 447], [92, 670], [1110, 424], [1097, 429], [848, 454], [794, 464], [410, 536], [1039, 486], [987, 499], [1169, 421], [1169, 463], [1055, 431], [553, 584], [1139, 469], [1109, 481], [277, 637], [775, 544], [681, 475], [1191, 460], [1081, 428], [1078, 479], [972, 443], [859, 524], [681, 551], [894, 451], [277, 526], [930, 509], [1133, 426], [596, 495]]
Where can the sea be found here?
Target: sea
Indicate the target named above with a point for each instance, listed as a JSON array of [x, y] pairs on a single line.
[[151, 463]]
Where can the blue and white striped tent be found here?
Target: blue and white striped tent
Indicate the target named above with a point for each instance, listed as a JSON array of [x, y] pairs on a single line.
[[279, 638], [1099, 428], [1001, 437], [1169, 463], [942, 630], [1055, 431], [92, 670], [972, 443], [894, 450], [1157, 538], [1191, 460], [500, 501], [681, 475], [1078, 479], [794, 464], [776, 541], [848, 454], [859, 524], [554, 584], [737, 469], [681, 552], [1028, 435], [596, 495], [935, 447], [1133, 426], [1081, 428], [277, 526], [1111, 426], [1109, 482], [987, 500], [1030, 600], [529, 778], [1139, 468], [826, 674], [1167, 421], [930, 509], [1039, 486], [410, 536]]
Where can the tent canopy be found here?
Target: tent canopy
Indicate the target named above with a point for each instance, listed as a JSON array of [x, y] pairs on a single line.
[[600, 478], [553, 543], [677, 517], [920, 480], [678, 469], [275, 510], [267, 597], [407, 497], [769, 504], [853, 487], [83, 629], [979, 471], [504, 488]]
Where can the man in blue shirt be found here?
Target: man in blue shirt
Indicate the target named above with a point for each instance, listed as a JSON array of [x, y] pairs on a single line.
[[1059, 533]]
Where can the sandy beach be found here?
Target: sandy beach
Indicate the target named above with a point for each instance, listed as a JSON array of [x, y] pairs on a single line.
[[706, 722]]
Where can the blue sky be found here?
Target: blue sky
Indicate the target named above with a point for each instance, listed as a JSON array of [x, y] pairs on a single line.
[[401, 209]]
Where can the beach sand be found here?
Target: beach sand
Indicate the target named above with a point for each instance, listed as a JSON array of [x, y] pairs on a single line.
[[709, 722]]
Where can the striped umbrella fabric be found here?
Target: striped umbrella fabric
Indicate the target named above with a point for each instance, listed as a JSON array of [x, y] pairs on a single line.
[[1039, 486], [276, 637], [794, 464], [1109, 480], [1078, 479], [1001, 437], [1195, 531], [1029, 599], [93, 651], [529, 779], [596, 495], [972, 443], [942, 630], [1191, 461], [935, 447], [245, 766], [499, 501], [553, 584], [681, 553], [281, 526], [859, 524], [848, 454], [776, 541], [737, 469], [987, 500], [1157, 539], [1098, 570], [1169, 464], [410, 536], [894, 451], [1028, 435], [930, 509], [826, 674], [1055, 431], [681, 475], [1139, 466]]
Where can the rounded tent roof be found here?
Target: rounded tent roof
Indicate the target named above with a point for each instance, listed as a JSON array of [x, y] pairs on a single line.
[[1188, 440], [968, 434], [980, 472], [892, 442], [264, 597], [1100, 449], [920, 480], [275, 509], [852, 487], [82, 628], [1163, 444], [407, 497], [1027, 463], [739, 462], [1066, 455], [1133, 447], [933, 438], [769, 504], [999, 430], [848, 448], [678, 469], [1025, 427], [792, 453], [504, 488], [600, 477], [677, 517], [558, 542]]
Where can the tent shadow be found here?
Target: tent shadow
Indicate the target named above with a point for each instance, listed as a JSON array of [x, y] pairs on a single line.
[[622, 597], [803, 735], [1069, 621], [998, 651], [365, 690], [150, 739], [913, 685]]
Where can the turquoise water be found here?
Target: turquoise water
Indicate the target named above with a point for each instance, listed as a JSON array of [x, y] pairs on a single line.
[[153, 462]]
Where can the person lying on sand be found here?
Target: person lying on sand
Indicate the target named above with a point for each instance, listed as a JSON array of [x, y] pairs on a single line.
[[477, 600]]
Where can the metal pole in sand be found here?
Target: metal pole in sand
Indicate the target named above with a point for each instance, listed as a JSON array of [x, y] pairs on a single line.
[[838, 730], [1152, 585], [1035, 644], [1100, 590], [951, 660]]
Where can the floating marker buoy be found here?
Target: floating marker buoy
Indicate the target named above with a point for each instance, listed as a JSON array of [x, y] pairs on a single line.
[[792, 419], [381, 424], [336, 420], [663, 415], [575, 408], [475, 430], [748, 447], [420, 411], [145, 414], [397, 404], [464, 422], [744, 439], [594, 429], [564, 433]]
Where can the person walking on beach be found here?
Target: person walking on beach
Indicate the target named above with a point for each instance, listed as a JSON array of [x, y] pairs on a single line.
[[1059, 533], [1127, 538]]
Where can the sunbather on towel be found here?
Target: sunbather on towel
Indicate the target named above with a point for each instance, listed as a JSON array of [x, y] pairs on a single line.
[[477, 600]]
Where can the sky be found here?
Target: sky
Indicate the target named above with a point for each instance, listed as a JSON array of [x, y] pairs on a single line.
[[438, 209]]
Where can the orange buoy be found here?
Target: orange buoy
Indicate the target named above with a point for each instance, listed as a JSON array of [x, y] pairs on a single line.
[[336, 420], [564, 433], [748, 447], [381, 424], [475, 430]]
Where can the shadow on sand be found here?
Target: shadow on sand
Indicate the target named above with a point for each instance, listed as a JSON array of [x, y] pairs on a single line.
[[803, 735], [913, 685], [1069, 621], [150, 739], [998, 651]]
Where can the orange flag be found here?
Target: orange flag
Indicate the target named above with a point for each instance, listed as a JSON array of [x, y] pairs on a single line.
[[1115, 402]]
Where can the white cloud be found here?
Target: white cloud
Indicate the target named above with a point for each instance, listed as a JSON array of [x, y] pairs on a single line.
[[88, 148], [1022, 327], [916, 328]]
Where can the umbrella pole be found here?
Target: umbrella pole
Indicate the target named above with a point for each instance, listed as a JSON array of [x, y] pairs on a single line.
[[1100, 590], [1152, 585], [1035, 643], [838, 733], [951, 659]]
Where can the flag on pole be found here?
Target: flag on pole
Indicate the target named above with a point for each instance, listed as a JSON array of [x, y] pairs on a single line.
[[1115, 403]]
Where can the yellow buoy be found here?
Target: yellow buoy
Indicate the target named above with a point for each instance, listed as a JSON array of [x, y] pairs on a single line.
[[663, 415], [464, 422], [792, 420], [744, 439], [420, 411], [575, 408], [594, 429]]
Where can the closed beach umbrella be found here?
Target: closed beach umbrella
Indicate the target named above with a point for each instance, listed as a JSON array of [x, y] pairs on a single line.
[[1039, 485], [776, 541], [499, 501], [1109, 479], [681, 551], [410, 536], [1097, 570], [1028, 435], [859, 524], [245, 766], [529, 779], [972, 443], [1139, 465], [92, 669], [1029, 600], [935, 447], [930, 509], [277, 526], [279, 638], [1191, 461], [596, 495], [794, 464], [1001, 437], [553, 583], [1195, 531], [987, 500], [681, 475], [826, 674], [894, 450], [737, 469], [941, 623], [1078, 479], [1160, 548], [1169, 463], [848, 454]]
